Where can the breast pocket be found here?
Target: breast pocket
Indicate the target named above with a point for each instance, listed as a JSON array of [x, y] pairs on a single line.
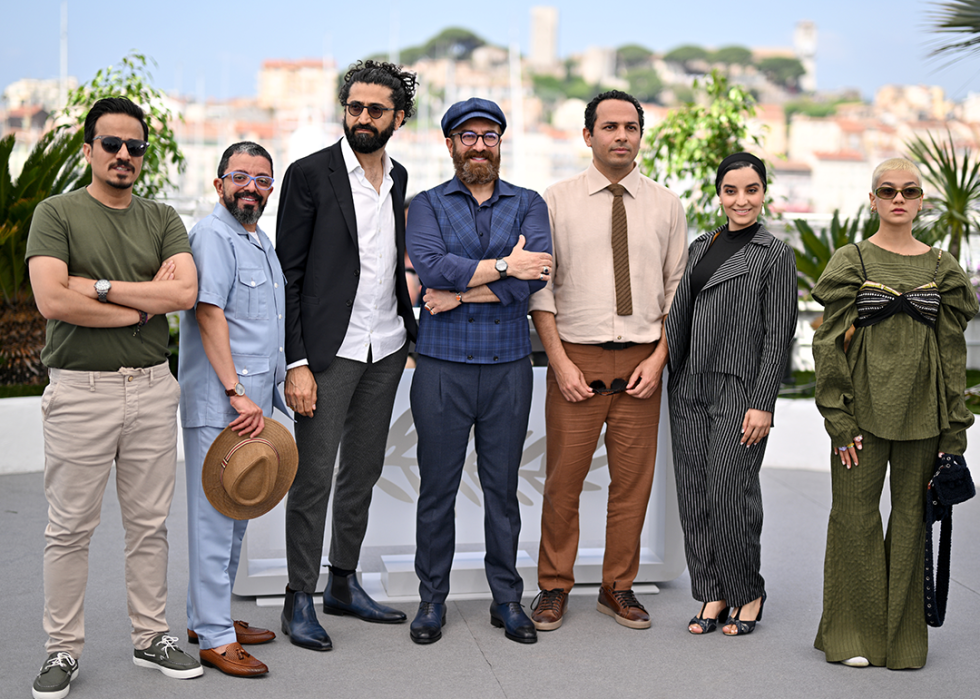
[[252, 292], [251, 369]]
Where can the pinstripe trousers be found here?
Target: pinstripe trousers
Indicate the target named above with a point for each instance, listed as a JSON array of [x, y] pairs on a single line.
[[718, 492]]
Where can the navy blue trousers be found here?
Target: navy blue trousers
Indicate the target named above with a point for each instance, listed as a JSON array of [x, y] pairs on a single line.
[[448, 400]]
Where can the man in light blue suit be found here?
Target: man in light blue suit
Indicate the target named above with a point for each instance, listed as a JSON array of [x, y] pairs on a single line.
[[231, 362]]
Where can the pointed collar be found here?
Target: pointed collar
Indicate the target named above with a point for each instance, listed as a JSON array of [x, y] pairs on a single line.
[[597, 181]]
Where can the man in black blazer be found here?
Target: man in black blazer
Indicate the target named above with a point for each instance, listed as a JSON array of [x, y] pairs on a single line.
[[341, 242]]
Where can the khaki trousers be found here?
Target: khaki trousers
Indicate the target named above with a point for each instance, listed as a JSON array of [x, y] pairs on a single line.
[[631, 447], [92, 418]]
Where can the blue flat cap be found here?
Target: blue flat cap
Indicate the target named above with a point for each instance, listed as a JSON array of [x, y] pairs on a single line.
[[472, 108]]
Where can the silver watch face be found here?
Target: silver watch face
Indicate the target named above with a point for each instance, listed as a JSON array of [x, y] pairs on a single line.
[[239, 389], [501, 265]]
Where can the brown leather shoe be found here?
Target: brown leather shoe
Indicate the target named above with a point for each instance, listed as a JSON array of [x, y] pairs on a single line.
[[548, 609], [623, 606], [235, 661], [246, 635]]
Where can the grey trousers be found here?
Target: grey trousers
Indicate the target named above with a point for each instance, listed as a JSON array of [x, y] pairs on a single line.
[[718, 493], [354, 402]]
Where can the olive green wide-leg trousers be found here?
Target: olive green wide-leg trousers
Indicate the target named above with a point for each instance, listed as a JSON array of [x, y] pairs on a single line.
[[873, 584]]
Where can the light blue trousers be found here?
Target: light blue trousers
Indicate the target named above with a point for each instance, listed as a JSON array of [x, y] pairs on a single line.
[[214, 546]]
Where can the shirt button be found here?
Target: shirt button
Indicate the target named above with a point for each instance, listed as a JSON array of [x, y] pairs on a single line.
[[472, 320], [280, 349], [253, 283], [130, 378], [280, 316], [244, 371], [619, 337], [276, 285], [497, 321], [469, 356]]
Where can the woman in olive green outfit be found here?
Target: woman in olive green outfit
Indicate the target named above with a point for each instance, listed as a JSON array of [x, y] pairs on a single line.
[[895, 395]]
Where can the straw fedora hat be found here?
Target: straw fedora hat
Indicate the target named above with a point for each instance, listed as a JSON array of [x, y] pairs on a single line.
[[245, 477]]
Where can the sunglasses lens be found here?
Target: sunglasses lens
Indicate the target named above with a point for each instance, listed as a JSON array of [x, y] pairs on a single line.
[[912, 192], [136, 148], [355, 108], [886, 192], [375, 112], [111, 144], [619, 385]]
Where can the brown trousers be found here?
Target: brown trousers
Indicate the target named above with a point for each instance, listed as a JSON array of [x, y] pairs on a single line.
[[631, 448], [92, 419]]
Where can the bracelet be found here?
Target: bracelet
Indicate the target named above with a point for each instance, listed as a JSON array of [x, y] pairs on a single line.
[[459, 297], [144, 318]]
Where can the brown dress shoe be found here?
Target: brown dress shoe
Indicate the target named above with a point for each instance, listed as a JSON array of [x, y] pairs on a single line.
[[235, 661], [548, 609], [245, 635], [623, 606]]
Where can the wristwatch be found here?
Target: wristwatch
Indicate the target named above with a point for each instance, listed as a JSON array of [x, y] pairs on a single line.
[[501, 266], [238, 390], [102, 289]]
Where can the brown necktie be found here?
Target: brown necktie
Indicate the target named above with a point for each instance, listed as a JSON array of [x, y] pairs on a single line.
[[621, 252]]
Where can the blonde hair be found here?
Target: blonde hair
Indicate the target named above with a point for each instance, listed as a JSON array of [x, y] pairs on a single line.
[[899, 164]]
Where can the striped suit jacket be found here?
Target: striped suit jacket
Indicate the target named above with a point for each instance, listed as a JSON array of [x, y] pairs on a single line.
[[744, 319], [475, 333]]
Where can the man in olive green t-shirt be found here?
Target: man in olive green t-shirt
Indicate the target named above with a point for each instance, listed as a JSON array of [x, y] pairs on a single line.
[[106, 266]]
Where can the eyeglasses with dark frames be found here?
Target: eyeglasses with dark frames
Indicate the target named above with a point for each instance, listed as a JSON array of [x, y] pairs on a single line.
[[891, 192], [134, 146], [599, 388], [469, 138], [243, 178], [374, 110]]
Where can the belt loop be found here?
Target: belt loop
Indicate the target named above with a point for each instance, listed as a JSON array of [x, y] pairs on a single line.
[[91, 381], [152, 369]]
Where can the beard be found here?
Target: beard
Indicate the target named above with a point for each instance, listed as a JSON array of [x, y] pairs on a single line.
[[476, 173], [368, 143], [248, 216], [121, 184]]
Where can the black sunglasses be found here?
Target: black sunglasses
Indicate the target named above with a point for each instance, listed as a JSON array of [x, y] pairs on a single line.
[[374, 110], [112, 144], [599, 388], [891, 192]]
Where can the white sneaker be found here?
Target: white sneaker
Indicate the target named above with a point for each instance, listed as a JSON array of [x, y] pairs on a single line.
[[856, 661]]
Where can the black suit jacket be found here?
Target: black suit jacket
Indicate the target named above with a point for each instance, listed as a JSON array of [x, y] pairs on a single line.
[[316, 241]]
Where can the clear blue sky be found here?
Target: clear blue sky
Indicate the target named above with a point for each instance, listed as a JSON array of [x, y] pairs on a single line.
[[860, 44]]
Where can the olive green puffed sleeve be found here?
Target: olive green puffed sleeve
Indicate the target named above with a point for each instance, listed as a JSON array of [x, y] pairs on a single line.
[[959, 306], [836, 291]]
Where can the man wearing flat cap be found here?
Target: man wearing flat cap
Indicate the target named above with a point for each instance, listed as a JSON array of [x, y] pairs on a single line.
[[481, 247], [231, 361]]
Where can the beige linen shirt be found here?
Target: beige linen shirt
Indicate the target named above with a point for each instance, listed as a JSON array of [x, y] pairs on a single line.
[[582, 290]]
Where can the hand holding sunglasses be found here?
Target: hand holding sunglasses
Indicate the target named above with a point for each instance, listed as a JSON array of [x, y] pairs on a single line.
[[134, 146]]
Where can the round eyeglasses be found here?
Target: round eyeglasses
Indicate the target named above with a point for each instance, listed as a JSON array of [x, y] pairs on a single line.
[[374, 110], [469, 138]]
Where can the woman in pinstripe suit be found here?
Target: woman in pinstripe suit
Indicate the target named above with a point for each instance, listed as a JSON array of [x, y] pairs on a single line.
[[728, 332]]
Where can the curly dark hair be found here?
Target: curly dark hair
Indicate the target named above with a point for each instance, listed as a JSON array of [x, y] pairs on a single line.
[[402, 83], [591, 108]]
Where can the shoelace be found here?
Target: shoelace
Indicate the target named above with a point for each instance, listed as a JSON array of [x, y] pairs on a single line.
[[167, 644], [626, 598], [63, 660], [548, 600]]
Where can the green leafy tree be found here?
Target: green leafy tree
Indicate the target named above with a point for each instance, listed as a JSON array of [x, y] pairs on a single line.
[[782, 71], [687, 147], [685, 54], [644, 84], [957, 178], [815, 249], [132, 79], [961, 19], [454, 41], [54, 166], [732, 55], [633, 56]]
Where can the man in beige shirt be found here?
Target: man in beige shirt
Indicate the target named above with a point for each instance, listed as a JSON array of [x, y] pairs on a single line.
[[620, 247]]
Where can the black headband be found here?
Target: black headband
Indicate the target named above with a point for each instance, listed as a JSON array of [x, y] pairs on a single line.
[[730, 162]]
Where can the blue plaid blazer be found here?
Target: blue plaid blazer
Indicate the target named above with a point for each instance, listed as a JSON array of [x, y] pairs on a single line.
[[444, 247]]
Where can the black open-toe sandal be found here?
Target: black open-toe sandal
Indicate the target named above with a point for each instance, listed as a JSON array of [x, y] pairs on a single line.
[[707, 624], [743, 628]]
